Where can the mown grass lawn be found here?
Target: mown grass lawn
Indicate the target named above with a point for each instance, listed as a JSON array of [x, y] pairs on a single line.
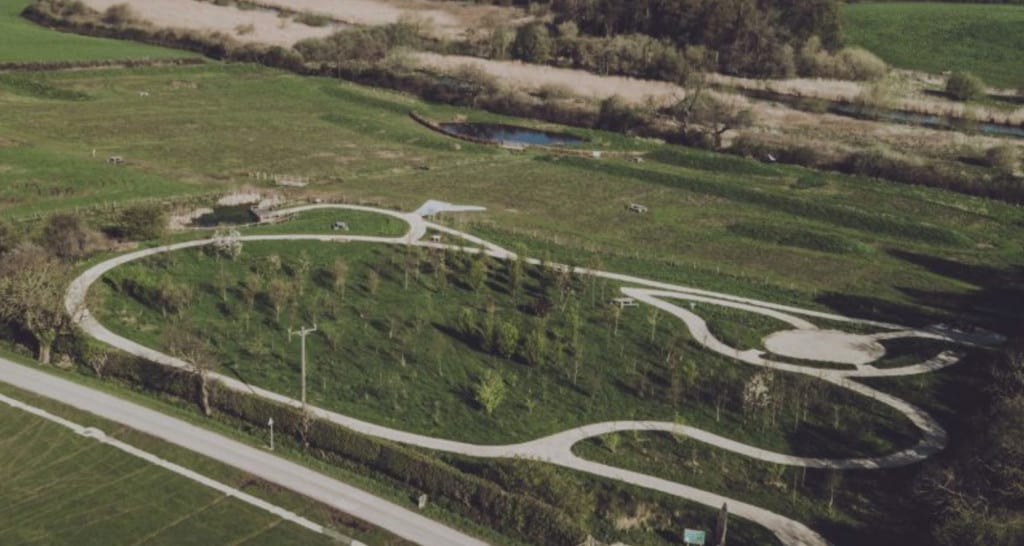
[[24, 41], [986, 39]]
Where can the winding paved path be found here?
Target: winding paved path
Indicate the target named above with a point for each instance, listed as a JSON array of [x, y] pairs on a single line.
[[557, 448]]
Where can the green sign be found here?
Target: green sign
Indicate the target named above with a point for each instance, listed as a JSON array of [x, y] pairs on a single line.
[[694, 537]]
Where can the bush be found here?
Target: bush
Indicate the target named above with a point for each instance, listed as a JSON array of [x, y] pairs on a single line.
[[67, 236], [1003, 159], [140, 222], [851, 63], [964, 86], [9, 238], [617, 115], [119, 15]]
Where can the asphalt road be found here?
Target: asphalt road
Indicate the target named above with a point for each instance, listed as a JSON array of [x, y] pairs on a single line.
[[263, 464]]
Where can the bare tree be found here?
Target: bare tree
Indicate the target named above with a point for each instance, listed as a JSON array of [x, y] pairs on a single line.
[[339, 275], [279, 292], [32, 286], [197, 353], [302, 268]]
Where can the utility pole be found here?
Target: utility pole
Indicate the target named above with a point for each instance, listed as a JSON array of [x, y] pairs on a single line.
[[302, 332], [270, 423]]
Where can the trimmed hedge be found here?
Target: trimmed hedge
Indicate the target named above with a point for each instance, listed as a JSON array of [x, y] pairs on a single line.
[[473, 497]]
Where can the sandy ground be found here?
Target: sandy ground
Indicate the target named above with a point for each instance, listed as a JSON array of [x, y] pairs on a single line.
[[268, 28], [528, 76], [449, 19]]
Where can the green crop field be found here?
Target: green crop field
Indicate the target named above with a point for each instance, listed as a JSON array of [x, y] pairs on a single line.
[[24, 41], [986, 39], [62, 488]]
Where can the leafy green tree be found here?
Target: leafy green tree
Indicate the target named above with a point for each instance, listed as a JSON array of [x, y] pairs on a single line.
[[465, 323], [490, 391], [535, 346], [532, 44], [507, 339], [478, 273]]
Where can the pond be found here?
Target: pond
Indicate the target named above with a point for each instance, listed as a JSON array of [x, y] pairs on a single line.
[[927, 120], [510, 134], [233, 215]]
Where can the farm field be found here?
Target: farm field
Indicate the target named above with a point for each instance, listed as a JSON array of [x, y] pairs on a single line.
[[24, 41], [935, 37], [62, 488]]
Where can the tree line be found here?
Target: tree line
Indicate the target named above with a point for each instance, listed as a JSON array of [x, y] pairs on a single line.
[[757, 38]]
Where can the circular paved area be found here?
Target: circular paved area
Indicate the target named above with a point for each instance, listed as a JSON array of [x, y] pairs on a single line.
[[825, 346]]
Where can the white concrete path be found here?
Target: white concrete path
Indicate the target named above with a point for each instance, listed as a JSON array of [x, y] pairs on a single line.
[[557, 448]]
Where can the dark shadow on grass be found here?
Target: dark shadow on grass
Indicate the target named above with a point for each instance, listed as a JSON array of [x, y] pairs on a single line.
[[997, 303]]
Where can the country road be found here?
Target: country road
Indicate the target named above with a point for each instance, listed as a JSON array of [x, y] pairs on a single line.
[[331, 492]]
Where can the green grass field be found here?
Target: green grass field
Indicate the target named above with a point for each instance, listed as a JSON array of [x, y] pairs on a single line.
[[862, 247], [195, 134], [24, 41], [400, 356], [61, 488], [986, 39]]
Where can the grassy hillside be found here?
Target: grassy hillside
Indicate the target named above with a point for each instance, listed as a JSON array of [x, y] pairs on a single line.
[[196, 133], [986, 39], [61, 488], [21, 40]]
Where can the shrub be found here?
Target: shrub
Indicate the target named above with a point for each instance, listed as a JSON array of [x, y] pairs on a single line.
[[1003, 159], [141, 222], [9, 238], [851, 63], [616, 115], [313, 19], [67, 236], [490, 391], [119, 15], [964, 86]]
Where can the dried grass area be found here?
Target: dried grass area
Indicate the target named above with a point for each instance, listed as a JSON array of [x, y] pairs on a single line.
[[523, 76], [266, 27], [772, 121], [448, 19], [908, 94]]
